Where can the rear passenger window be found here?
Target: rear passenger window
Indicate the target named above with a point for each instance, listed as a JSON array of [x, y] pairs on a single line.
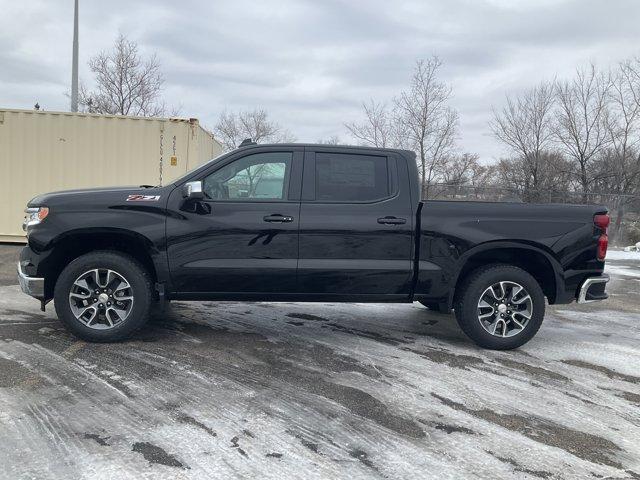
[[351, 178]]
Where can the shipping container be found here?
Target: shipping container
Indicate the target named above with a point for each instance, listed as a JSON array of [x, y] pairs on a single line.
[[48, 151]]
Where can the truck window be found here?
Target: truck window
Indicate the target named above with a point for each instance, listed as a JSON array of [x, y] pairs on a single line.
[[261, 176], [351, 178]]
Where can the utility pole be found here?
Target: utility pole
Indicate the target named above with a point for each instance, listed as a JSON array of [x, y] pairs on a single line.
[[74, 66]]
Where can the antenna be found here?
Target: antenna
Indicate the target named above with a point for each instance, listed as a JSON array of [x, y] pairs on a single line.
[[74, 64]]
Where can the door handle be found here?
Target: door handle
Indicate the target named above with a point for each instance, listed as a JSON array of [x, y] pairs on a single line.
[[392, 220], [277, 218]]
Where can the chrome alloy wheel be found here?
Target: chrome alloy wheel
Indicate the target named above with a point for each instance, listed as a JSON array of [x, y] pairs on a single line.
[[101, 298], [504, 309]]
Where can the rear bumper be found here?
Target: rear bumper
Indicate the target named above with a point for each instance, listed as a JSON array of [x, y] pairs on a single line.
[[592, 289], [32, 286]]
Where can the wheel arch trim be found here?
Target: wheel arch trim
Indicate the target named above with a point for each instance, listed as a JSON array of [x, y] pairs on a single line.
[[467, 256], [156, 253]]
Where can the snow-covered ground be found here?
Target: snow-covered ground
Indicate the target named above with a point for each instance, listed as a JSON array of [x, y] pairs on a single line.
[[624, 264], [623, 270], [286, 390], [622, 255]]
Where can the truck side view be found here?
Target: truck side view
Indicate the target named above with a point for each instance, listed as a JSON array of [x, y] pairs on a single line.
[[308, 223]]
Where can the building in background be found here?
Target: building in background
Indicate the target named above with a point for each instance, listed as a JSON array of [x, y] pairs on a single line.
[[47, 151]]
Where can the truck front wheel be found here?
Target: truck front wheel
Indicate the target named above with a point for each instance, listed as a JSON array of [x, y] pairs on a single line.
[[103, 296], [500, 307]]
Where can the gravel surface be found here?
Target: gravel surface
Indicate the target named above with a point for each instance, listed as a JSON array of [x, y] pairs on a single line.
[[292, 390]]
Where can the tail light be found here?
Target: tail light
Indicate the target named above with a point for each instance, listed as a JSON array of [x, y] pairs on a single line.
[[602, 222]]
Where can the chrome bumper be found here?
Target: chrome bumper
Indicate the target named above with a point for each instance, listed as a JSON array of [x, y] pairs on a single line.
[[592, 289], [31, 285]]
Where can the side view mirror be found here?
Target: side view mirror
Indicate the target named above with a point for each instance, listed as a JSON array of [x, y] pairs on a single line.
[[193, 190]]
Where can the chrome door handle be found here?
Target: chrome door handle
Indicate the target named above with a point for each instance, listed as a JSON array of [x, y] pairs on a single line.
[[277, 218]]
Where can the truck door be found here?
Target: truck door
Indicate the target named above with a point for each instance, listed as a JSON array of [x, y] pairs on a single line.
[[243, 236], [356, 225]]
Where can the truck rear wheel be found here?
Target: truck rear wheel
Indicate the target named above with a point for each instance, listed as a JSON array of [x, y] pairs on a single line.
[[103, 296], [500, 307]]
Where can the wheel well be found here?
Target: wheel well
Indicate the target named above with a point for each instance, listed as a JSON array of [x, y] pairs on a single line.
[[73, 246], [531, 261]]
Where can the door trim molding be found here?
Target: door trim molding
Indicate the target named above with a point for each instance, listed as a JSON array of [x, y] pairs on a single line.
[[241, 263], [345, 264]]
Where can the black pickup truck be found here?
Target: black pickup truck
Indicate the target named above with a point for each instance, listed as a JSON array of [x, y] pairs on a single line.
[[309, 223]]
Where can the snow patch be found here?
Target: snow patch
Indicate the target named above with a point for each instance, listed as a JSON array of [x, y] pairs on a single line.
[[622, 255], [623, 270]]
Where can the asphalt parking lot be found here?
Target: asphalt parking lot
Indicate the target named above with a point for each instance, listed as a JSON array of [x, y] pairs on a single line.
[[287, 390]]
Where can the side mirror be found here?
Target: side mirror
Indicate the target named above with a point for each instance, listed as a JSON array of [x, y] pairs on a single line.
[[193, 190]]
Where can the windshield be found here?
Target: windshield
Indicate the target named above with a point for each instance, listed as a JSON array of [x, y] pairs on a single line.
[[204, 166]]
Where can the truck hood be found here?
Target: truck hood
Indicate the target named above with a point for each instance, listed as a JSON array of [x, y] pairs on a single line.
[[110, 195]]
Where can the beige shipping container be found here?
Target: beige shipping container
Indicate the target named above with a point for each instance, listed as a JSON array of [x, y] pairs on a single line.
[[48, 151]]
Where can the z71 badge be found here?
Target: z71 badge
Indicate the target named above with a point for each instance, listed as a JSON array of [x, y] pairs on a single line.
[[143, 198]]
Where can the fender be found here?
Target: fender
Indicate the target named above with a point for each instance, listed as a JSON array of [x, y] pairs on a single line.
[[499, 245], [156, 252]]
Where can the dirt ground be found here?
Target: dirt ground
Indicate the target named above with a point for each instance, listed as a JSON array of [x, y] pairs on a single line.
[[292, 390]]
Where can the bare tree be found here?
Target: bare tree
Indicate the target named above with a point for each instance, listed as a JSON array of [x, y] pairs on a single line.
[[460, 169], [581, 129], [332, 140], [623, 115], [427, 124], [125, 83], [554, 180], [618, 168], [630, 69], [233, 128], [525, 126], [482, 175], [377, 130], [459, 172]]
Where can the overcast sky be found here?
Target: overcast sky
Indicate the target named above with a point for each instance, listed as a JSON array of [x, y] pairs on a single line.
[[312, 63]]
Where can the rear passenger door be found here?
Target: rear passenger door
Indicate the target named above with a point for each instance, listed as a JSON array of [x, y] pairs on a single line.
[[356, 225]]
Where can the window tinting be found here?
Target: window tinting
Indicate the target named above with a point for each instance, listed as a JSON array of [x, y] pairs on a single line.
[[259, 176], [351, 178]]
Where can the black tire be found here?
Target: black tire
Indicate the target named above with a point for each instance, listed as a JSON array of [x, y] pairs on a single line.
[[138, 278], [469, 295]]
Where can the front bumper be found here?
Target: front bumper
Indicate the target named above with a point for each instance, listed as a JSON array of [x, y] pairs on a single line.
[[592, 289], [33, 286]]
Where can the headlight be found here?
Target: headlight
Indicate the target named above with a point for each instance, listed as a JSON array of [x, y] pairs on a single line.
[[34, 216]]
